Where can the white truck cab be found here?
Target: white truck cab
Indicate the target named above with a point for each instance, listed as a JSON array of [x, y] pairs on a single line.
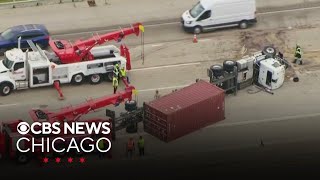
[[271, 73], [213, 14], [30, 69]]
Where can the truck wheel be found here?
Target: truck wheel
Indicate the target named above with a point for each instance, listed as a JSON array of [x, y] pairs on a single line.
[[109, 76], [130, 105], [243, 24], [132, 128], [95, 79], [5, 89], [197, 29], [22, 158], [77, 79], [269, 51], [228, 65], [217, 70]]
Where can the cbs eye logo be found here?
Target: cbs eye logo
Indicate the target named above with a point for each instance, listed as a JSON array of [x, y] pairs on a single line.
[[23, 128]]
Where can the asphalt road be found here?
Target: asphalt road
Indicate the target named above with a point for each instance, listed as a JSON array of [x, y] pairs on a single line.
[[171, 31], [289, 116]]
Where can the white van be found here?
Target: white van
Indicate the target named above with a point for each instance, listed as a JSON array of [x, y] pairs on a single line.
[[213, 14]]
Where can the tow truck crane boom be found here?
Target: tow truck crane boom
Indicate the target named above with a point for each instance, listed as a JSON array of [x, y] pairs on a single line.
[[80, 50], [74, 113]]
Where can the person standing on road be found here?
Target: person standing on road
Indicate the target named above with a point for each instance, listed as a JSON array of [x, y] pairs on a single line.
[[116, 71], [130, 148], [101, 147], [157, 95], [123, 74], [298, 55], [141, 146], [115, 84]]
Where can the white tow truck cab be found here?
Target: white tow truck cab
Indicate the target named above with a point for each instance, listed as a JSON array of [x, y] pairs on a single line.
[[31, 69], [213, 14]]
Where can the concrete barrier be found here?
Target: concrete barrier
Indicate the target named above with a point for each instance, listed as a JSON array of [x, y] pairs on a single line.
[[18, 4], [31, 3]]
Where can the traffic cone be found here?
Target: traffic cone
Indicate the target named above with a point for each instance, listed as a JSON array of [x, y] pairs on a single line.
[[195, 40]]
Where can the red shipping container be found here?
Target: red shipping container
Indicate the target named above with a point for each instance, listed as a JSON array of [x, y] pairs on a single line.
[[184, 111]]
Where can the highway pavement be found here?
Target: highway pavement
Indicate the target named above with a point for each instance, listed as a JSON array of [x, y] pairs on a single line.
[[172, 61], [79, 17]]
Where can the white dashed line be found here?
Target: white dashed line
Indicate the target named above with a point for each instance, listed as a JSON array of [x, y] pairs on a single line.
[[168, 66]]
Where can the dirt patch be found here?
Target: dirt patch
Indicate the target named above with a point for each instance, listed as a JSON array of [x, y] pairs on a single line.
[[257, 40], [254, 41]]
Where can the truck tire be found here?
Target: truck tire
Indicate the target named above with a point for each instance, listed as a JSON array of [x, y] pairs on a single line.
[[217, 70], [23, 158], [132, 128], [77, 79], [269, 51], [95, 79], [228, 65], [5, 89], [130, 105], [243, 24], [197, 30]]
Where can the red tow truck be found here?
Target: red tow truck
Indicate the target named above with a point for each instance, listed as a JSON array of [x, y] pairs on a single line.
[[66, 52], [9, 134]]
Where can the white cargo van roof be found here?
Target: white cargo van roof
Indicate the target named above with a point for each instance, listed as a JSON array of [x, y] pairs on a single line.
[[207, 4]]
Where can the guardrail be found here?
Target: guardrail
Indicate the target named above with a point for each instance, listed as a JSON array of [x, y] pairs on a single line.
[[29, 3]]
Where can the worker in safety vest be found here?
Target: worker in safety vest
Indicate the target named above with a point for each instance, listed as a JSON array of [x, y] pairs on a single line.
[[116, 70], [298, 55], [115, 84], [130, 148], [123, 74], [141, 146], [101, 147]]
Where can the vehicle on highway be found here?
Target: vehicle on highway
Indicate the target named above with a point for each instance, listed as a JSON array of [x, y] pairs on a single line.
[[38, 33], [22, 70], [212, 14]]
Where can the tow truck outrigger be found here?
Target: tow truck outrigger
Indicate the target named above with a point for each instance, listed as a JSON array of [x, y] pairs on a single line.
[[9, 134]]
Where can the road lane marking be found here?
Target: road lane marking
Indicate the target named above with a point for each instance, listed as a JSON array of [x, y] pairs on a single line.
[[166, 66], [204, 40], [289, 10], [156, 45], [5, 105], [278, 119], [178, 22], [163, 88]]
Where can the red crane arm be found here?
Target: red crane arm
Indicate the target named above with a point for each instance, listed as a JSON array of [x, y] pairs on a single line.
[[74, 113], [116, 35], [78, 51]]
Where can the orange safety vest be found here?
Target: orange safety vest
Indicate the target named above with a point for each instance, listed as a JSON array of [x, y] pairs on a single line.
[[130, 145]]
